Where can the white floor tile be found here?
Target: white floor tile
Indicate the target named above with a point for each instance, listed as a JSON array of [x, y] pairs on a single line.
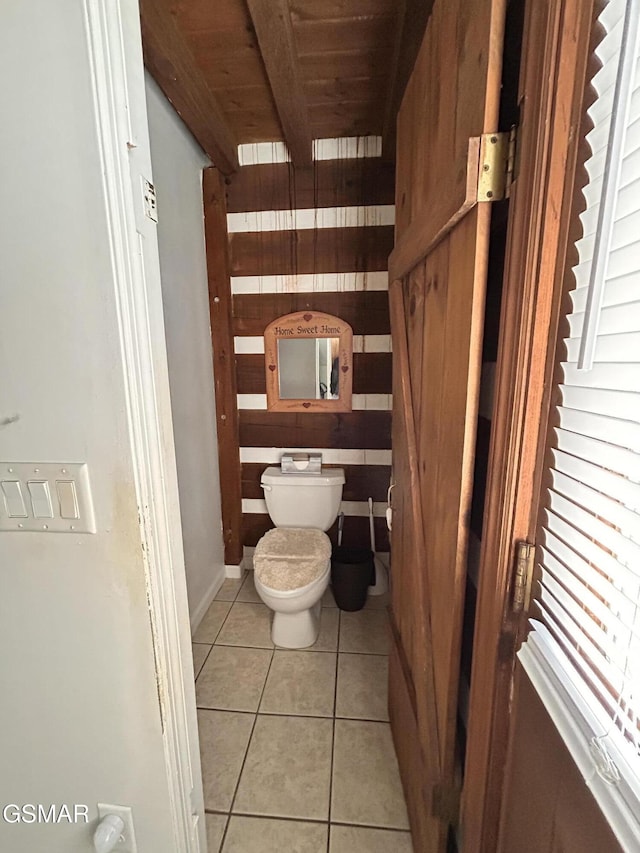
[[224, 737], [269, 835], [366, 786], [287, 769], [200, 652], [300, 683], [233, 678]]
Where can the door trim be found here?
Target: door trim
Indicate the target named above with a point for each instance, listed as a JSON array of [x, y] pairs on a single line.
[[555, 49], [117, 79]]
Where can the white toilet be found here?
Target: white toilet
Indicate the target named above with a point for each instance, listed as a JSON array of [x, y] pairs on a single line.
[[292, 562]]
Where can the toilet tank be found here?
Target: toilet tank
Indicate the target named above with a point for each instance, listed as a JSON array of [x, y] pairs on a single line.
[[303, 500]]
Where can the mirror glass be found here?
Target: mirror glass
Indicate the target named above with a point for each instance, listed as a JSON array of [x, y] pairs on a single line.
[[308, 368]]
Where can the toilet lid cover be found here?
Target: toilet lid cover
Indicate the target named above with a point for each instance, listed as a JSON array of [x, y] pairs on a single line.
[[289, 558]]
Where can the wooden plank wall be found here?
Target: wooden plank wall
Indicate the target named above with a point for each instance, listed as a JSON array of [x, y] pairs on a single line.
[[284, 259]]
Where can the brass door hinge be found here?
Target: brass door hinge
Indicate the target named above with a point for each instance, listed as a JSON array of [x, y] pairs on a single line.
[[497, 165], [523, 576]]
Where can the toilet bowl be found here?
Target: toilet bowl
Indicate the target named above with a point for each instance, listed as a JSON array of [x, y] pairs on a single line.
[[296, 612], [292, 562]]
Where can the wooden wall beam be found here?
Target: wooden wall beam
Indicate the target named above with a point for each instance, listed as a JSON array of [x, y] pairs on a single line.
[[366, 311], [369, 430], [331, 183], [224, 369], [363, 248], [272, 22], [169, 60]]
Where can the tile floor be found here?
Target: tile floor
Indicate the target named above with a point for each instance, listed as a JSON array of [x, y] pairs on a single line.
[[296, 746]]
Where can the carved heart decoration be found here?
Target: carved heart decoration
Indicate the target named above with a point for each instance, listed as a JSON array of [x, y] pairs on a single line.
[[307, 317], [272, 367], [344, 368], [306, 405]]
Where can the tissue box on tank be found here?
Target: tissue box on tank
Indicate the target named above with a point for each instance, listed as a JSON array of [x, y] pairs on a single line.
[[295, 463]]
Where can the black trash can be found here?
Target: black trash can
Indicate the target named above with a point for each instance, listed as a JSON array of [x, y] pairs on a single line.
[[352, 572]]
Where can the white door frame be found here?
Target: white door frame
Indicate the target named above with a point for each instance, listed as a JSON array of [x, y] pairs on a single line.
[[115, 48]]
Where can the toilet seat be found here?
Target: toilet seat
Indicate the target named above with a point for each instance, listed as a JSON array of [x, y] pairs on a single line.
[[287, 559]]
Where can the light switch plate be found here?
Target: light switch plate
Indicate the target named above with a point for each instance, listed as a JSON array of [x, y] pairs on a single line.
[[48, 497], [149, 200]]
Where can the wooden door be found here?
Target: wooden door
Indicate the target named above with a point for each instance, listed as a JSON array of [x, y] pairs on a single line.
[[438, 271]]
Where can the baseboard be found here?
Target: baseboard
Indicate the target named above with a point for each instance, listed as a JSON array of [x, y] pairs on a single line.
[[234, 572], [198, 614]]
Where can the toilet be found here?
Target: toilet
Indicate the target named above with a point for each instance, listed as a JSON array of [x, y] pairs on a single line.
[[292, 562]]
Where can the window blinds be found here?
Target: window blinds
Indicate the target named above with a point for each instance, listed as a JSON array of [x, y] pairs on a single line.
[[588, 594]]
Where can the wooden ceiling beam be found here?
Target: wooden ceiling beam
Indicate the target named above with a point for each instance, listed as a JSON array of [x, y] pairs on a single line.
[[171, 63], [274, 30], [412, 19]]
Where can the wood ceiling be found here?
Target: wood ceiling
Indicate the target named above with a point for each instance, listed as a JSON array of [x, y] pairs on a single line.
[[241, 71]]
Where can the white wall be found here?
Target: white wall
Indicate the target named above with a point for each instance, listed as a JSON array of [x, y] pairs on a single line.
[[79, 710], [177, 173]]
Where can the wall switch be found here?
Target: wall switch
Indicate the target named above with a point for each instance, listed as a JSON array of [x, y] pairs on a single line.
[[49, 497], [67, 498], [127, 842], [13, 499], [40, 498]]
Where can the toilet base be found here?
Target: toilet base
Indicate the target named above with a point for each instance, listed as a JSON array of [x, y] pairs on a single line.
[[296, 630]]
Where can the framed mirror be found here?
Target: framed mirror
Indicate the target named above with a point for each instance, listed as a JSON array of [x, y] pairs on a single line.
[[308, 363]]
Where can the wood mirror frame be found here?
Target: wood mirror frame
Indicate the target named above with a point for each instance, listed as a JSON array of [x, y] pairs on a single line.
[[309, 324]]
